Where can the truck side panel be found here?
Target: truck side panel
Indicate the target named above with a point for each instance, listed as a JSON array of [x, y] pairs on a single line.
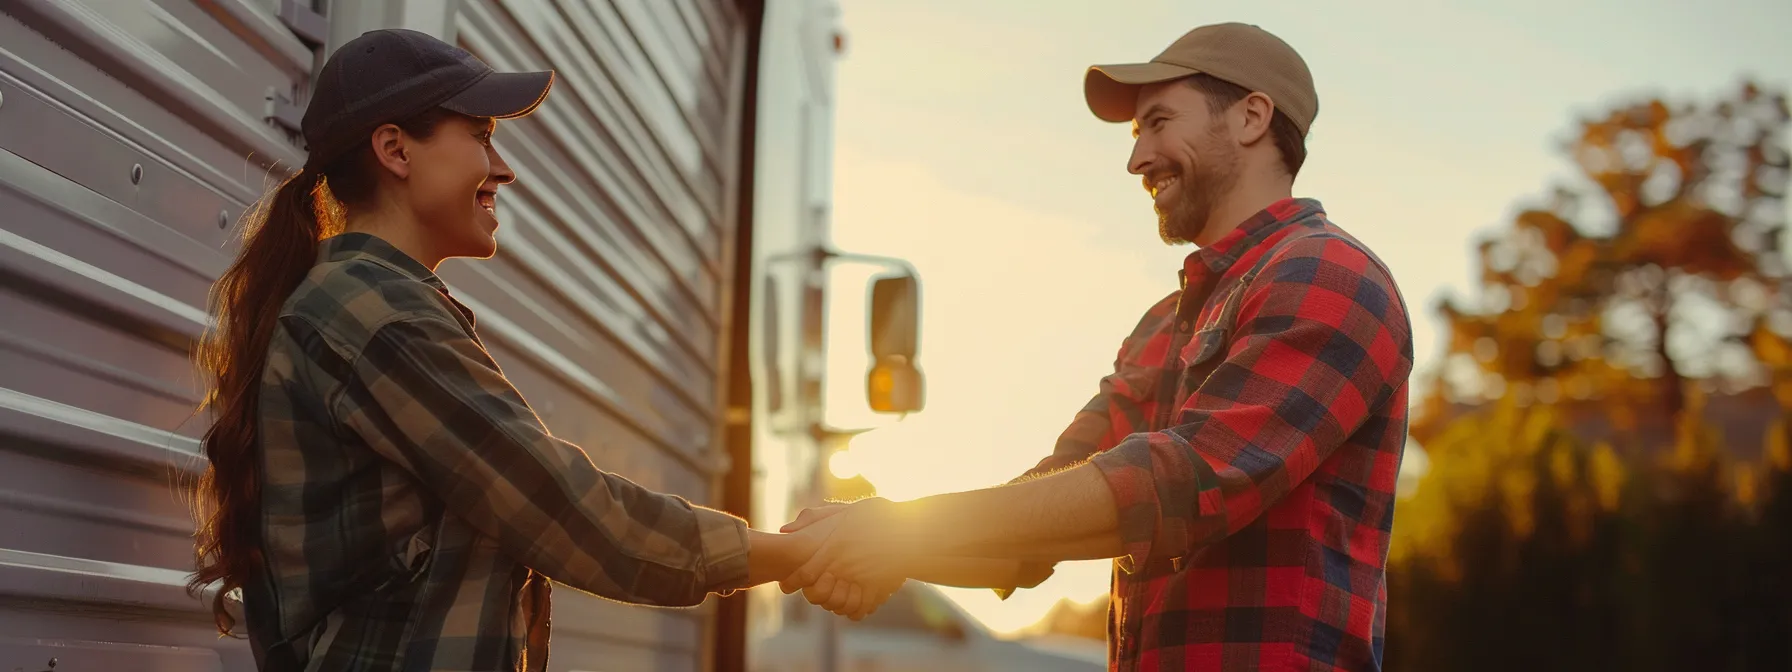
[[605, 301], [129, 133], [134, 133]]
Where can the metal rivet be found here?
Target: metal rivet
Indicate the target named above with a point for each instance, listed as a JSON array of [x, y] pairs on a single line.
[[223, 219], [136, 173]]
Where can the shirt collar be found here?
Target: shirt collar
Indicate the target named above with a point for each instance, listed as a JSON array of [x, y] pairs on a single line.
[[356, 244], [1220, 256]]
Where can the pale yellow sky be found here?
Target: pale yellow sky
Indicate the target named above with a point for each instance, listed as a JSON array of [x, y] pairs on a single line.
[[963, 145]]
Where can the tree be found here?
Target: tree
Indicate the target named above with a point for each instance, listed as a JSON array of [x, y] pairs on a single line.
[[1611, 482], [1664, 265]]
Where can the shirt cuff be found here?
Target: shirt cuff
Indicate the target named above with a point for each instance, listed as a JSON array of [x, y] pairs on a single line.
[[724, 539], [1138, 471]]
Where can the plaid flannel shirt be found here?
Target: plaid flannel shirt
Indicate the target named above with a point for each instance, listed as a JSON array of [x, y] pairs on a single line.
[[1251, 433], [413, 507]]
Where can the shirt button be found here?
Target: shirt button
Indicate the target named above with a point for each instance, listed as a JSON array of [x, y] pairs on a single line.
[[1184, 326]]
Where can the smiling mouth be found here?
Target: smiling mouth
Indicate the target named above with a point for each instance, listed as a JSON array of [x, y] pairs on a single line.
[[489, 201], [1157, 185]]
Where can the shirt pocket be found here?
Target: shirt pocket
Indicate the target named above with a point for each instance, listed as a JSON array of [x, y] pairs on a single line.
[[1206, 349], [1200, 358]]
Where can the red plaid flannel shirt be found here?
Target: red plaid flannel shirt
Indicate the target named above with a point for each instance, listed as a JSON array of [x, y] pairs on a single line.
[[1254, 470]]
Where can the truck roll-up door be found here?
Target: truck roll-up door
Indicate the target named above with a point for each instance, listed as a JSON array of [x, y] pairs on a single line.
[[605, 301], [132, 133]]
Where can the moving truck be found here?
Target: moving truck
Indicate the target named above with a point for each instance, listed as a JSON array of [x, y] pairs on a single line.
[[659, 297]]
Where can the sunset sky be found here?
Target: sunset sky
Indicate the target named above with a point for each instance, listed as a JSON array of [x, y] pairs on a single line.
[[963, 144]]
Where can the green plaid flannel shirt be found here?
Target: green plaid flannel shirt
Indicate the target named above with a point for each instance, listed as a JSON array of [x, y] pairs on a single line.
[[414, 508]]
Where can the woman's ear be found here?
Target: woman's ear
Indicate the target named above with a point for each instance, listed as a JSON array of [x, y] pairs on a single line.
[[390, 151]]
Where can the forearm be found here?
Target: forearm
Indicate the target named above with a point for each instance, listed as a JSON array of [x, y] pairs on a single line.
[[770, 557], [963, 572], [429, 398], [1017, 567], [1067, 515], [1099, 546]]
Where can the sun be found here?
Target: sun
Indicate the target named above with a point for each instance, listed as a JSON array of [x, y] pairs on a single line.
[[842, 465]]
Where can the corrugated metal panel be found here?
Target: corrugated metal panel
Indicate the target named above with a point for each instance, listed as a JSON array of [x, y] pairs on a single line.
[[130, 132], [605, 300]]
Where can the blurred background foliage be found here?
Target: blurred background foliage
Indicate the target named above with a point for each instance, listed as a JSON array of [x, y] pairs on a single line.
[[1610, 483]]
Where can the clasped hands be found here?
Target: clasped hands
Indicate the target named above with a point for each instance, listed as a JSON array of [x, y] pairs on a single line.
[[849, 558], [862, 553]]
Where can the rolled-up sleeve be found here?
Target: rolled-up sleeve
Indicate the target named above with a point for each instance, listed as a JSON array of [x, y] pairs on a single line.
[[1098, 425], [1322, 341], [436, 403]]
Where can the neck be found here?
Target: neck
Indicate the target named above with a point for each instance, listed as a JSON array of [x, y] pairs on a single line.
[[1250, 198], [398, 229]]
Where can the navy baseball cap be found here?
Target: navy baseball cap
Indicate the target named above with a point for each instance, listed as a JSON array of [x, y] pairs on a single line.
[[389, 75]]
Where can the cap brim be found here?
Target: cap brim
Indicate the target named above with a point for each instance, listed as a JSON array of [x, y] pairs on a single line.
[[503, 95], [1113, 90]]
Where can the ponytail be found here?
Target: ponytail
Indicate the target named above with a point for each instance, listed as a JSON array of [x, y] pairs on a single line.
[[280, 244], [281, 238]]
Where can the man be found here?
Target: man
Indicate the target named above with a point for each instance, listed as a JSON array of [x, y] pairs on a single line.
[[1240, 461]]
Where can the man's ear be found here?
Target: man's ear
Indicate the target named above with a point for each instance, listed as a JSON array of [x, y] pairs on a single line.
[[390, 151], [1254, 114]]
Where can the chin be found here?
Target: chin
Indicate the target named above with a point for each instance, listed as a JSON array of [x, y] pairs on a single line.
[[483, 249], [479, 239]]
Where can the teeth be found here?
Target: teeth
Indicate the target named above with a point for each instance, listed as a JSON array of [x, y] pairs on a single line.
[[1159, 186]]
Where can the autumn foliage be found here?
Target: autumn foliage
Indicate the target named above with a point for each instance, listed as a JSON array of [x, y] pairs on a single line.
[[1610, 482]]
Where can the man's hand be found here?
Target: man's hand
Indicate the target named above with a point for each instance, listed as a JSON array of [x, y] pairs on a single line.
[[877, 543], [815, 514], [956, 571], [773, 556], [867, 545], [851, 597]]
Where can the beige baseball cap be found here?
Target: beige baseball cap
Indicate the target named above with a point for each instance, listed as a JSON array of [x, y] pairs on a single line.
[[1239, 53]]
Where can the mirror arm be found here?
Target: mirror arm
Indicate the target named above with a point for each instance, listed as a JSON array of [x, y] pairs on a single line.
[[819, 256], [890, 262]]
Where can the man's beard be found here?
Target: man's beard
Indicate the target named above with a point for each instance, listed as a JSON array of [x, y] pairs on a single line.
[[1203, 185]]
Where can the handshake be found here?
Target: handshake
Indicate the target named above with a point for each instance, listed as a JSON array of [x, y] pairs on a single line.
[[849, 558]]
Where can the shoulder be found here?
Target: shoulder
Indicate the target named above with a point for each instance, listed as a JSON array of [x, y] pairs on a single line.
[[1322, 261], [349, 301], [1322, 245]]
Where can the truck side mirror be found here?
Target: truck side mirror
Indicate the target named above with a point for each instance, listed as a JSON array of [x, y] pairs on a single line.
[[895, 383]]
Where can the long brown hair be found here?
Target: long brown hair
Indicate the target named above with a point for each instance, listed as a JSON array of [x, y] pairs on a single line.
[[281, 237]]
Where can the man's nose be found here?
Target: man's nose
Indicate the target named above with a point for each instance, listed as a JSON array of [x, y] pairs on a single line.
[[1140, 161]]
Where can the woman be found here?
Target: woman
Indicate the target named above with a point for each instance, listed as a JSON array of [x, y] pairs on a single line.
[[378, 492]]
